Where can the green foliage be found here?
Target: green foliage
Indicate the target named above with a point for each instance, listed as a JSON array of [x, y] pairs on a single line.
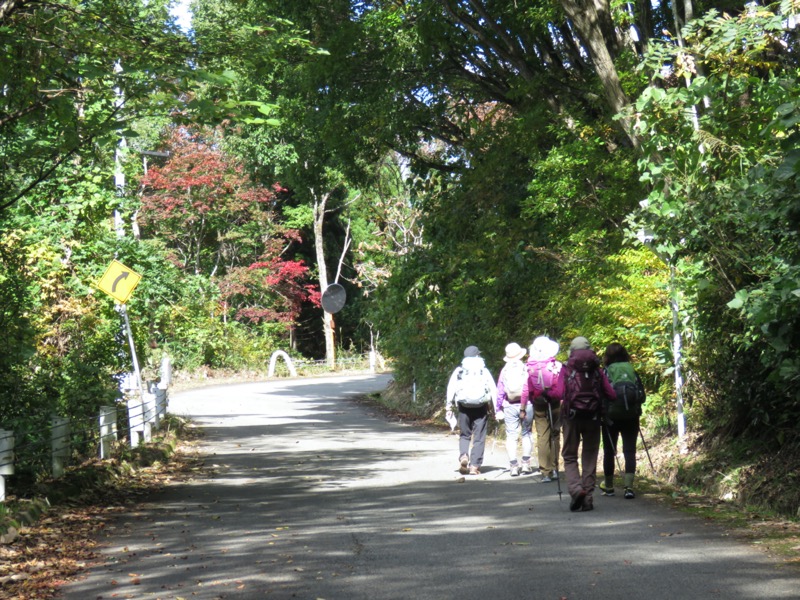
[[723, 210], [191, 329], [505, 259], [58, 66]]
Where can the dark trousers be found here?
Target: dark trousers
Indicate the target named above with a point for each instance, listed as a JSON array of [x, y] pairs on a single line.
[[628, 430], [473, 423]]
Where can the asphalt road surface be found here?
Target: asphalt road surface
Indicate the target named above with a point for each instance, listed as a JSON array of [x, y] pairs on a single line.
[[314, 496]]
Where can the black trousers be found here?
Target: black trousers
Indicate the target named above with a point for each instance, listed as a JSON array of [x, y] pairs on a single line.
[[628, 430]]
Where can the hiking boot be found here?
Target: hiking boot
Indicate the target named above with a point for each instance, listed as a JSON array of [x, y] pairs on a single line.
[[629, 495], [473, 470], [526, 468], [545, 479], [577, 502], [554, 474], [514, 471], [587, 505], [464, 461], [607, 491]]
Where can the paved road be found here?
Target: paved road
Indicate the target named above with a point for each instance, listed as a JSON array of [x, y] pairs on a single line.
[[313, 496]]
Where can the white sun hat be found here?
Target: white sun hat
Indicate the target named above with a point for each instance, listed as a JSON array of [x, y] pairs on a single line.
[[543, 348]]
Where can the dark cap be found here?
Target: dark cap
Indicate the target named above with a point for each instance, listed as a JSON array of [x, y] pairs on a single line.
[[470, 351]]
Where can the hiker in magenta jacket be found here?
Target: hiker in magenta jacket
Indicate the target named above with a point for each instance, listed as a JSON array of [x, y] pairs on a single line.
[[582, 429], [545, 388]]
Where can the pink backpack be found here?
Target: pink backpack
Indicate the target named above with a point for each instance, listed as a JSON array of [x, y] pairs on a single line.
[[543, 375]]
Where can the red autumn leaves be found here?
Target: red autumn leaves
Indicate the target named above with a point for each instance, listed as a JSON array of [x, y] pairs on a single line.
[[216, 221]]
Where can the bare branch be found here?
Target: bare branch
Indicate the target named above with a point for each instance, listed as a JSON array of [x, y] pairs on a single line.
[[347, 241]]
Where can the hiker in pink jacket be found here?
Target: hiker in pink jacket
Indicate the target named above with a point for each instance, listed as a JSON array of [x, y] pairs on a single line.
[[545, 389], [511, 389]]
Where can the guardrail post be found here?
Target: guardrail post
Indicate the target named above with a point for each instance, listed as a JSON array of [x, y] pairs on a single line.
[[108, 430], [150, 417], [285, 357], [160, 390], [135, 420], [59, 431], [165, 372], [161, 403], [6, 459]]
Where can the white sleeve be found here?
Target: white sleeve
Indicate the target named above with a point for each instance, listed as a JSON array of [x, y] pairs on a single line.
[[452, 386], [492, 387]]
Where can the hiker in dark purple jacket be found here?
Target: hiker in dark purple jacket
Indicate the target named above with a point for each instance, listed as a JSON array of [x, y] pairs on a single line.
[[585, 388]]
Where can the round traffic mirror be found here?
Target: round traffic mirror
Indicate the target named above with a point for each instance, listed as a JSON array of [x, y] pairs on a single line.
[[333, 298]]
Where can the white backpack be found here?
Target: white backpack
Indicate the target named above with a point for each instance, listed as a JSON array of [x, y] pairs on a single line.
[[472, 390], [514, 376]]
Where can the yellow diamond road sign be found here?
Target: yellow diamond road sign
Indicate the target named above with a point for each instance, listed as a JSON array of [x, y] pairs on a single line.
[[119, 281]]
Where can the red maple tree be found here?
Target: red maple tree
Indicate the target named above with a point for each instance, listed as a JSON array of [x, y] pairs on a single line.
[[219, 223]]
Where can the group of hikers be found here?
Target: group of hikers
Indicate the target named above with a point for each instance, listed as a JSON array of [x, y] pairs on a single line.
[[572, 406]]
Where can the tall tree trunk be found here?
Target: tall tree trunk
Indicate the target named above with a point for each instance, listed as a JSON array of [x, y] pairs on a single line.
[[688, 11], [644, 18], [327, 318], [7, 7], [587, 17]]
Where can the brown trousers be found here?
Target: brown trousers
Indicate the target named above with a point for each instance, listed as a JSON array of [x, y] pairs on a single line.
[[583, 434]]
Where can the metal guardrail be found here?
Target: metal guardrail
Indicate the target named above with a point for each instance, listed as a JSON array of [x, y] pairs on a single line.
[[61, 441]]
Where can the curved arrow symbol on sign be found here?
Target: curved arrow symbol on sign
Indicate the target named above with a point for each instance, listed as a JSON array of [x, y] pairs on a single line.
[[120, 277]]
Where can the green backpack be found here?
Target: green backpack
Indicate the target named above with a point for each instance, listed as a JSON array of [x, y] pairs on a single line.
[[630, 392]]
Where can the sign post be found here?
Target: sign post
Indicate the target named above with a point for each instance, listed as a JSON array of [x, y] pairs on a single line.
[[333, 300], [119, 282]]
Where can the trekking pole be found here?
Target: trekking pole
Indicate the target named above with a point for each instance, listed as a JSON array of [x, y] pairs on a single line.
[[611, 442], [553, 445], [647, 452]]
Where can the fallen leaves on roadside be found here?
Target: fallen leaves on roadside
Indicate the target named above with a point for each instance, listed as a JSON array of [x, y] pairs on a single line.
[[55, 549]]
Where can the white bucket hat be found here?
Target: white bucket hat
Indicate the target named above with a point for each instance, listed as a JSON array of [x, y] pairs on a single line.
[[543, 348], [514, 352]]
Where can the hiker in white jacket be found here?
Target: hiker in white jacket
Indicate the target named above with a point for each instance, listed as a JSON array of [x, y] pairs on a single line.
[[472, 389]]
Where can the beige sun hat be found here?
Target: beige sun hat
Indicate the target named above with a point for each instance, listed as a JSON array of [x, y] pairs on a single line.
[[514, 352], [543, 348]]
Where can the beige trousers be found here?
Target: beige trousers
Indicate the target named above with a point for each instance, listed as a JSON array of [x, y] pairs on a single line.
[[548, 441]]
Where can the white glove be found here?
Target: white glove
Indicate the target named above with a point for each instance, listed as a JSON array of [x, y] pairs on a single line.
[[499, 415], [450, 418]]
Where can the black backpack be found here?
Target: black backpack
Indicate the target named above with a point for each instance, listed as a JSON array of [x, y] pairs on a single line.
[[583, 385]]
